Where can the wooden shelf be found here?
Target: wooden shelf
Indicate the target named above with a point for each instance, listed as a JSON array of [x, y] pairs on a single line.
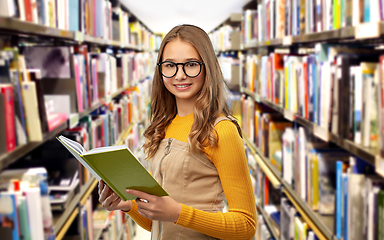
[[368, 154], [25, 29], [62, 221], [8, 158], [269, 223], [321, 225], [272, 174], [254, 96], [346, 33]]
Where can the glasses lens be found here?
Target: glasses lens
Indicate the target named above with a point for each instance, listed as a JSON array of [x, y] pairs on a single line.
[[168, 69], [192, 69]]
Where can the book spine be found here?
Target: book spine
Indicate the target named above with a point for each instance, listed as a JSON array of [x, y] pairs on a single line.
[[8, 214], [32, 115], [35, 77], [315, 81], [346, 203], [381, 107], [367, 10], [7, 91], [78, 84], [315, 183], [73, 15], [339, 195], [336, 14], [28, 10], [35, 217]]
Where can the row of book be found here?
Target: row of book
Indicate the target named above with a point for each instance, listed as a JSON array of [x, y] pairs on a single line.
[[43, 86], [221, 37], [279, 18], [230, 66], [339, 88], [334, 182], [330, 180], [92, 17], [104, 126], [283, 217], [25, 210], [111, 223], [27, 115], [61, 173]]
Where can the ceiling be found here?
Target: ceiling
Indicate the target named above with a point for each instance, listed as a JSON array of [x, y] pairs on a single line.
[[160, 16]]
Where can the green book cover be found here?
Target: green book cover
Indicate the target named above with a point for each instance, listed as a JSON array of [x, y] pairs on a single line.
[[118, 168]]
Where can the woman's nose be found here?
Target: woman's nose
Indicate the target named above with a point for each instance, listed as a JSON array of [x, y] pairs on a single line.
[[180, 73]]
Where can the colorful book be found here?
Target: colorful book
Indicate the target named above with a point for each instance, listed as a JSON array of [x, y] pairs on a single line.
[[7, 93], [8, 215], [31, 111]]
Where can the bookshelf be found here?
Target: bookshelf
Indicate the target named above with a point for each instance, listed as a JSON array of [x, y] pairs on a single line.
[[312, 34], [18, 33], [371, 31], [368, 154], [63, 221], [227, 36], [26, 29], [270, 225], [9, 158], [321, 225]]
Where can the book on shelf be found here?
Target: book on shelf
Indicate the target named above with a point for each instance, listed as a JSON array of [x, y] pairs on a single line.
[[35, 75], [31, 107], [273, 212], [60, 200], [30, 184], [8, 120], [9, 224], [117, 167], [20, 121]]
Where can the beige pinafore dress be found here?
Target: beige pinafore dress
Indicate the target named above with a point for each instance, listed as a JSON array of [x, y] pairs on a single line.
[[189, 178]]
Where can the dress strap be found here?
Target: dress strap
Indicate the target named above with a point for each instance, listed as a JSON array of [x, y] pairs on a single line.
[[230, 118]]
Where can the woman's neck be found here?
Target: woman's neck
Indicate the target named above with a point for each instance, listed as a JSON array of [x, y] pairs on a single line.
[[184, 109]]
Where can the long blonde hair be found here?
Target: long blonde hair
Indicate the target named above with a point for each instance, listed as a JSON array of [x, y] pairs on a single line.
[[210, 103]]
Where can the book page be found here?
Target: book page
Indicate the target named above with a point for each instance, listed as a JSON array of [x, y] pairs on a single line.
[[73, 144], [79, 158], [105, 149]]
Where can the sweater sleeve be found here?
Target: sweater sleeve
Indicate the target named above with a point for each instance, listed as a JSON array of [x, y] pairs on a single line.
[[231, 163], [140, 220]]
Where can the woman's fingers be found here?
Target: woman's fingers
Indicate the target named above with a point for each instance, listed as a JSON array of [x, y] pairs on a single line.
[[101, 186], [112, 202], [105, 193], [141, 196]]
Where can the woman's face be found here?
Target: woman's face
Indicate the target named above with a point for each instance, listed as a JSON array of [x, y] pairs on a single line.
[[184, 88]]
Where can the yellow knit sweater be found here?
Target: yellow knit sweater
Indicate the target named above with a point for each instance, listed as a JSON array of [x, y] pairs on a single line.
[[231, 163]]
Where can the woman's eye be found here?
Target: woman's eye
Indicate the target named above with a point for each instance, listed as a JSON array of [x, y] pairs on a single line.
[[191, 64], [169, 65]]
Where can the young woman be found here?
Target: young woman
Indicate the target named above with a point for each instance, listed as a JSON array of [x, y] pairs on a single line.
[[194, 148]]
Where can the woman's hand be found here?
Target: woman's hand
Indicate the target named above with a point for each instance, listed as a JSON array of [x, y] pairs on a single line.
[[110, 201], [157, 208]]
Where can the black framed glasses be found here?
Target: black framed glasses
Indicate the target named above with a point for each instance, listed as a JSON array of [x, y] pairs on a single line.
[[169, 69]]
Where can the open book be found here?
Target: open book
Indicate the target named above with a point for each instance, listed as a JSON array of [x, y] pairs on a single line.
[[118, 168]]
